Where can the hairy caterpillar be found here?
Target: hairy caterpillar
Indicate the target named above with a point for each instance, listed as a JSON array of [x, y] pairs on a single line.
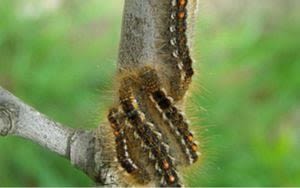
[[175, 51], [159, 164], [117, 122]]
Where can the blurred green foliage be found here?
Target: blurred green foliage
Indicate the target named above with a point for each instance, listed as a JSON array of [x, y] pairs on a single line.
[[246, 92]]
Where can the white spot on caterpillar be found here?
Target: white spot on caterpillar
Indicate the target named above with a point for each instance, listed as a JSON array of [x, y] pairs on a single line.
[[175, 54], [150, 124], [151, 156], [172, 159], [136, 136], [130, 161], [165, 117], [180, 65], [141, 115], [143, 145], [174, 2], [162, 181], [134, 166], [182, 77], [187, 122], [170, 99], [158, 108], [172, 28], [173, 42], [177, 132], [182, 113], [126, 154], [163, 90], [157, 168], [173, 15], [151, 98], [187, 151], [121, 169], [166, 146], [158, 134], [171, 125], [183, 142]]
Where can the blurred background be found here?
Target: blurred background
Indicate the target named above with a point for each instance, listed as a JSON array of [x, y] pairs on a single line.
[[59, 56]]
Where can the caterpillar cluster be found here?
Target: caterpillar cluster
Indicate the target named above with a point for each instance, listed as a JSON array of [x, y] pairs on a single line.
[[147, 120], [161, 163]]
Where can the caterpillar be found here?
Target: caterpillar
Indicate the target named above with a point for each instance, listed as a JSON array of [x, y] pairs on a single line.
[[176, 52], [117, 123], [170, 114]]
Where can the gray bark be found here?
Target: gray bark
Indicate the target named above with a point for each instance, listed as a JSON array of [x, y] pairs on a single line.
[[17, 118], [144, 22], [82, 147]]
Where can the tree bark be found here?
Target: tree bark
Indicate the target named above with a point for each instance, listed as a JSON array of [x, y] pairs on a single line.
[[82, 147], [143, 29]]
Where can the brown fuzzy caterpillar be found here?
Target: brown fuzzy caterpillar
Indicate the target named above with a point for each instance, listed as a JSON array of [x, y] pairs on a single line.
[[117, 122], [175, 51]]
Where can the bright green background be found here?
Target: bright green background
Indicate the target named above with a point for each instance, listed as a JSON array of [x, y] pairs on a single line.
[[245, 96]]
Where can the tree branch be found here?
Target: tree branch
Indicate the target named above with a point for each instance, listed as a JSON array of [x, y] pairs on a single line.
[[79, 146], [17, 118]]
